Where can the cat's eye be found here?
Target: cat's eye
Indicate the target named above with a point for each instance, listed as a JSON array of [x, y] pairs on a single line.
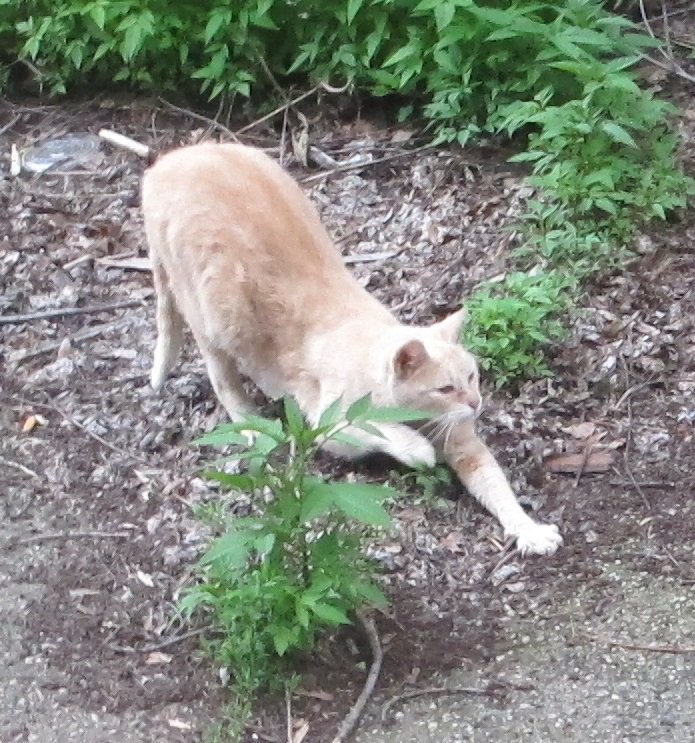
[[471, 377], [446, 390]]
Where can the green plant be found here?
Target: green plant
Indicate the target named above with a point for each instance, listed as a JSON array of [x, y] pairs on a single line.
[[273, 579], [512, 323]]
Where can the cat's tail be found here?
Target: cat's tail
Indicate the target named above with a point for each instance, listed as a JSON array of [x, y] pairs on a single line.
[[120, 140]]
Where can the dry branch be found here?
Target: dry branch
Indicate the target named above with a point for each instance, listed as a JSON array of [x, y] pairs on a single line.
[[350, 722]]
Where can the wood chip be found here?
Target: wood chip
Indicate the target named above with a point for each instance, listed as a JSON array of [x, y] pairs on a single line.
[[597, 461]]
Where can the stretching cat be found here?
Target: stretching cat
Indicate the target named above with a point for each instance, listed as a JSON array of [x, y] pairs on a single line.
[[239, 254]]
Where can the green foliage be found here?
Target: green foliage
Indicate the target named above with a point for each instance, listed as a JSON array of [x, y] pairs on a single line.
[[275, 578], [512, 324]]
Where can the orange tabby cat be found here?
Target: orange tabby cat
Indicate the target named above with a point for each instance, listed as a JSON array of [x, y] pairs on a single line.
[[239, 254]]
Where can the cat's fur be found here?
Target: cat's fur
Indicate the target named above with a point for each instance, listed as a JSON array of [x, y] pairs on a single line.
[[239, 254]]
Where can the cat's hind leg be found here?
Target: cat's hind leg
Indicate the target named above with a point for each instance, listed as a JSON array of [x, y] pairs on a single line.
[[169, 328], [226, 381]]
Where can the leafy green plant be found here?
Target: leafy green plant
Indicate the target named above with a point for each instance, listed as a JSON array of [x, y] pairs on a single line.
[[294, 566], [512, 323]]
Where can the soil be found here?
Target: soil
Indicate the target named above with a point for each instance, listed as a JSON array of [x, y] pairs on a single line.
[[99, 475]]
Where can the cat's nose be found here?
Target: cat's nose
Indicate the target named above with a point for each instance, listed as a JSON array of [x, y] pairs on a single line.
[[474, 401]]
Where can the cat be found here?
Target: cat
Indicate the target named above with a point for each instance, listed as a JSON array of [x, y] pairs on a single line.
[[239, 254]]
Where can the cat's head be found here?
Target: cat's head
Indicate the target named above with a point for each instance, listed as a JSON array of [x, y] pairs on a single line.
[[432, 371]]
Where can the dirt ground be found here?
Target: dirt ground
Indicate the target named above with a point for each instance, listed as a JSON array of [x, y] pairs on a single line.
[[99, 475]]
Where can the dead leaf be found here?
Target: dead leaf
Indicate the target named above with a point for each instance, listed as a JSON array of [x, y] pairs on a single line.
[[411, 514], [156, 658], [597, 461], [452, 542], [401, 135], [32, 421], [581, 431]]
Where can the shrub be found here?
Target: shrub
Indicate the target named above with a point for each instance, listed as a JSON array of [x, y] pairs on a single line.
[[274, 579]]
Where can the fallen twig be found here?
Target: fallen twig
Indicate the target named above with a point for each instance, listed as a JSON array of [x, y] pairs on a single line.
[[69, 311], [287, 104], [21, 467], [200, 117], [350, 722], [673, 649], [671, 64], [55, 536], [648, 484], [370, 257], [127, 143], [173, 640], [93, 331], [488, 691], [365, 164]]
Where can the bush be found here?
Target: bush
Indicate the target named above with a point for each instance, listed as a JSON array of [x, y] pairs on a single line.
[[274, 579]]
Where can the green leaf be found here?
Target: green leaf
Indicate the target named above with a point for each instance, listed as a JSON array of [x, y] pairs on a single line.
[[444, 13], [317, 502], [371, 593], [293, 415], [346, 438], [398, 415], [332, 414], [132, 42], [360, 408], [618, 134], [233, 482], [98, 15], [225, 435], [228, 552], [217, 18], [360, 501], [353, 7], [329, 613]]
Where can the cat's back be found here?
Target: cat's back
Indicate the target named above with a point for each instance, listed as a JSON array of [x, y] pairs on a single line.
[[238, 197]]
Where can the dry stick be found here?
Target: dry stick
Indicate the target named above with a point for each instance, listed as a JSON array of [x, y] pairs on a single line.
[[350, 722], [648, 484], [213, 122], [69, 311], [173, 640], [321, 86], [366, 164], [673, 66], [10, 124], [288, 713], [74, 535], [81, 335], [588, 448], [370, 257], [433, 691], [127, 143], [279, 110], [674, 649], [19, 466]]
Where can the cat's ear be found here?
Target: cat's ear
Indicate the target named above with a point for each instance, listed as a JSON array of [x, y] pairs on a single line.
[[409, 358], [449, 329]]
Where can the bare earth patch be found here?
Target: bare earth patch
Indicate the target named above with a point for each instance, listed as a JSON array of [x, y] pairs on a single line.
[[99, 476]]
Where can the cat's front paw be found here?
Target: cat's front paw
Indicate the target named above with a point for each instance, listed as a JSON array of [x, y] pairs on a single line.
[[538, 539], [418, 454]]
